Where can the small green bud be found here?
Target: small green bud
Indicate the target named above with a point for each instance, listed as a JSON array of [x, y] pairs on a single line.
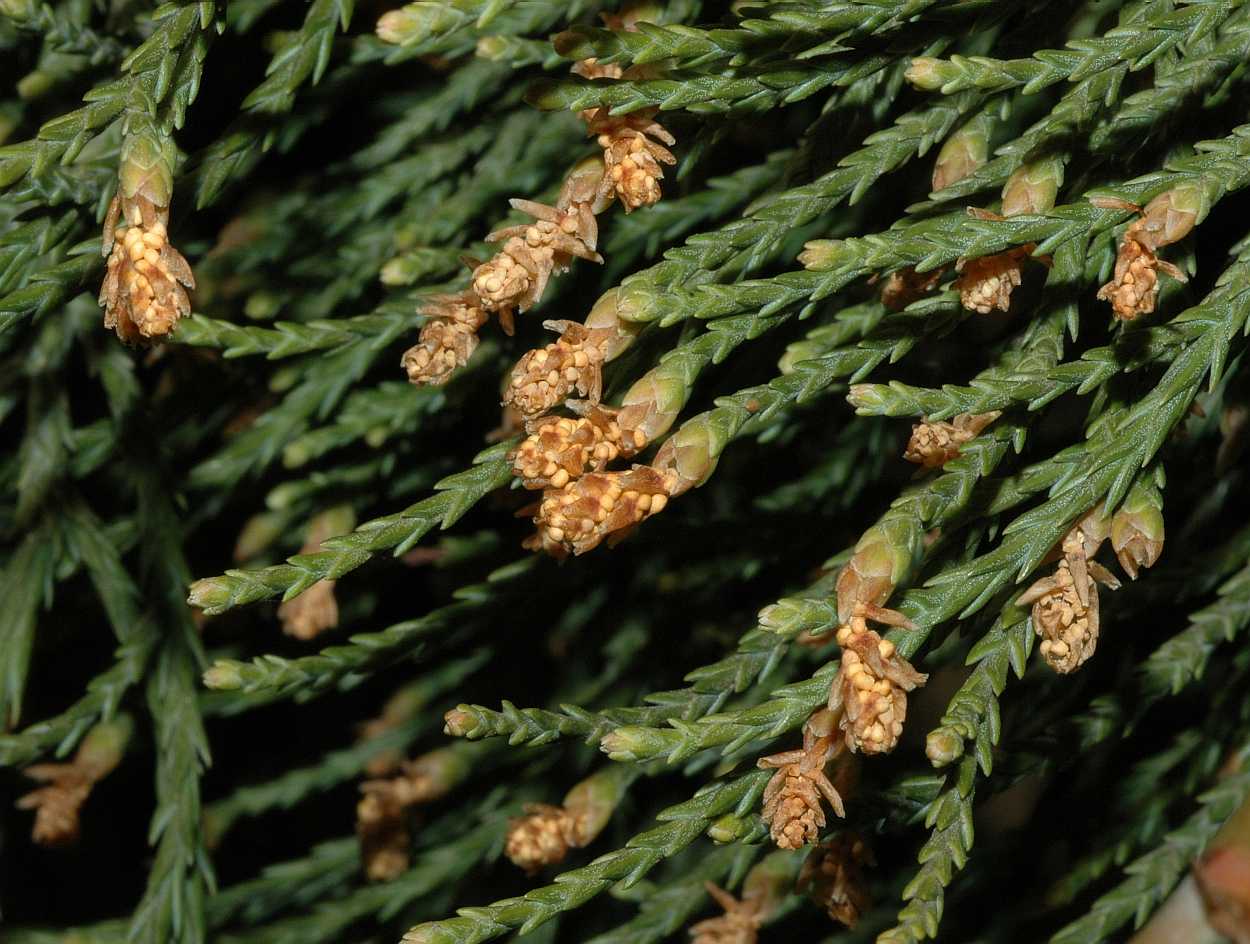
[[34, 85], [942, 747], [460, 722], [637, 301], [789, 617], [223, 675], [147, 168], [626, 743], [927, 74], [262, 306], [868, 399], [822, 255], [728, 828], [1033, 187], [19, 10], [414, 23], [494, 48]]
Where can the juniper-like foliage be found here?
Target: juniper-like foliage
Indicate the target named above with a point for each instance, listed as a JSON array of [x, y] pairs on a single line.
[[877, 373]]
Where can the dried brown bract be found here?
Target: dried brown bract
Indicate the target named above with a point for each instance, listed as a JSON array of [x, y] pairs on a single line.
[[560, 449], [546, 377], [632, 154], [904, 286], [871, 687], [598, 506], [56, 805], [1134, 288], [833, 877], [543, 836], [447, 340], [146, 278], [1065, 606], [739, 924], [792, 799], [66, 786], [518, 273], [933, 444]]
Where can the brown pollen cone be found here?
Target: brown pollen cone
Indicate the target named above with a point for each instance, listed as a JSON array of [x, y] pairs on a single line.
[[549, 375], [985, 284], [632, 154], [543, 836], [872, 683], [560, 449], [933, 444], [447, 340], [146, 278], [793, 797], [518, 273], [57, 804], [599, 505], [382, 831], [833, 877], [1134, 287], [1065, 606]]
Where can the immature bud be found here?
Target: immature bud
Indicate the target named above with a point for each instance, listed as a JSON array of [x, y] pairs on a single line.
[[884, 557], [638, 302], [1033, 187], [1137, 529], [401, 25], [821, 255], [963, 152], [942, 747], [691, 454], [927, 74], [1171, 216]]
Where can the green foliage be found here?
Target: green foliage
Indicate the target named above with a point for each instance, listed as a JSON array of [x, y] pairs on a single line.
[[329, 171]]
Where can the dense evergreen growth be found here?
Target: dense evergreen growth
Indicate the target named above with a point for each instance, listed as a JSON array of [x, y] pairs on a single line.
[[862, 531]]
